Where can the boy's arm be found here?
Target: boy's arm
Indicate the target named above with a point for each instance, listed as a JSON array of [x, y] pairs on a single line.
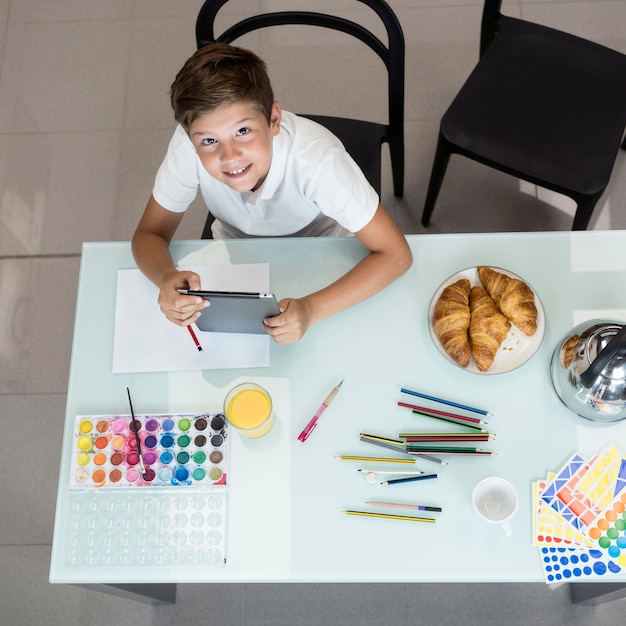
[[150, 246], [390, 256]]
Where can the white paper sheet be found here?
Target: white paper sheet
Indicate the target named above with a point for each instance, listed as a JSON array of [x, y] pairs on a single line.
[[145, 341]]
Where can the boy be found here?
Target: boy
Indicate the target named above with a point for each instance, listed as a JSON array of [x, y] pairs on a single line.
[[262, 172]]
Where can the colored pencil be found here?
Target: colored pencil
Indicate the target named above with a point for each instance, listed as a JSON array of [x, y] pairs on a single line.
[[388, 440], [445, 420], [398, 505], [373, 470], [443, 448], [427, 457], [308, 429], [449, 434], [399, 446], [406, 518], [465, 418], [448, 437], [421, 454], [373, 459], [448, 402], [409, 479], [383, 444], [195, 339]]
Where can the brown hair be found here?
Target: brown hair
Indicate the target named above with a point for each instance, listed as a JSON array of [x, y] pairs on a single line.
[[218, 74]]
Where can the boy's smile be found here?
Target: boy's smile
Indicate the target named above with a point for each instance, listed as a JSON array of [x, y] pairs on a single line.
[[234, 143]]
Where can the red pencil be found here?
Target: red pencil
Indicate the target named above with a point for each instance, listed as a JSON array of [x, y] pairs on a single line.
[[466, 418], [195, 339]]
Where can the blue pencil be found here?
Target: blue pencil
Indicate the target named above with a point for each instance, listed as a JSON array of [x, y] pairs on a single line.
[[448, 402]]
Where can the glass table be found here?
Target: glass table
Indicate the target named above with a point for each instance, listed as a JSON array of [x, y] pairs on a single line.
[[285, 520]]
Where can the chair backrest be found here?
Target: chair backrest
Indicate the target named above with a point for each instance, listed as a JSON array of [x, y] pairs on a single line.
[[489, 24], [391, 54]]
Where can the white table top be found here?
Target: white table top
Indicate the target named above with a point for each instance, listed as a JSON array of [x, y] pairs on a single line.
[[285, 502]]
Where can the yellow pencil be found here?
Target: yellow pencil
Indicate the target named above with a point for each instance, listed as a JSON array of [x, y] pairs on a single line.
[[406, 518], [374, 459]]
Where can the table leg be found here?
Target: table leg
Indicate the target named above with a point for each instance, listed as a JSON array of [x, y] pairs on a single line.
[[155, 593], [596, 593]]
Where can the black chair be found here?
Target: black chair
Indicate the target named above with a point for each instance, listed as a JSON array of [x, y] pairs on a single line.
[[362, 139], [541, 105]]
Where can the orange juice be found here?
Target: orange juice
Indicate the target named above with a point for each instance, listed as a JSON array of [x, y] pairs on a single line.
[[248, 407]]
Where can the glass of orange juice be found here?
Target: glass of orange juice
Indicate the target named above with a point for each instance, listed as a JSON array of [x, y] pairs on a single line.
[[248, 407]]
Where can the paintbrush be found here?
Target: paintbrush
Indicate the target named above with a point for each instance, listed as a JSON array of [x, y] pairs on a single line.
[[136, 430]]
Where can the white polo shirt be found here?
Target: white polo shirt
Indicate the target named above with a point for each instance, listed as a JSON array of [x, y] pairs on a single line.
[[311, 176]]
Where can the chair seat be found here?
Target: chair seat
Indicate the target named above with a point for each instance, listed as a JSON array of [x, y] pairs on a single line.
[[362, 140], [558, 121]]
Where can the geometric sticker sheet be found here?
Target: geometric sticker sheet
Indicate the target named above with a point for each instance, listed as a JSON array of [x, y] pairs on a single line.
[[550, 528], [579, 517]]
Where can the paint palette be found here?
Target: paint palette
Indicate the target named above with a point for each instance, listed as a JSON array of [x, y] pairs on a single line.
[[186, 450], [146, 528]]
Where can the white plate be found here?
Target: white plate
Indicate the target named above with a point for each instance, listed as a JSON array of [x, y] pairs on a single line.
[[516, 349]]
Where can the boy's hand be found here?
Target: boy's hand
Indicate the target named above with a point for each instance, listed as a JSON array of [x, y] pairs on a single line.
[[291, 324], [180, 309]]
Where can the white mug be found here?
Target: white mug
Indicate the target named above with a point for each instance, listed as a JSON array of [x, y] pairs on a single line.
[[496, 501]]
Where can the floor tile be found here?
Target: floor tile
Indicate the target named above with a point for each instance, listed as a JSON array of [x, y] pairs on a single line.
[[73, 79], [19, 280], [152, 68], [51, 326], [337, 604], [58, 190], [30, 467], [29, 599], [601, 21], [68, 10]]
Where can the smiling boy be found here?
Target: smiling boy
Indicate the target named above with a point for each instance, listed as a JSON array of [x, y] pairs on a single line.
[[261, 172]]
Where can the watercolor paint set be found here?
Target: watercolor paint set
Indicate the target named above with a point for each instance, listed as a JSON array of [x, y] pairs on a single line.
[[117, 451], [148, 491]]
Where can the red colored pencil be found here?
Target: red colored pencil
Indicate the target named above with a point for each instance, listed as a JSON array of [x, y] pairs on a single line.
[[466, 418], [195, 339]]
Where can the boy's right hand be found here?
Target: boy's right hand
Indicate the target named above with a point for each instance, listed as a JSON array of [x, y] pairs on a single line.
[[180, 309]]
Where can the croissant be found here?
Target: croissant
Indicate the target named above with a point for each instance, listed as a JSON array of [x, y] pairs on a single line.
[[488, 328], [451, 320], [494, 283], [513, 297], [518, 305]]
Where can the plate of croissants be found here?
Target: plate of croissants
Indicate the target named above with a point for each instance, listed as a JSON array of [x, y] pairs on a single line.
[[486, 320]]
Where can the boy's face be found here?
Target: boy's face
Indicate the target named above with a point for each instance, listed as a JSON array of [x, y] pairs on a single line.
[[234, 143]]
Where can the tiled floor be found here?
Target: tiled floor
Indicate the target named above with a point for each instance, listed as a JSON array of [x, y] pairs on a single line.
[[84, 121]]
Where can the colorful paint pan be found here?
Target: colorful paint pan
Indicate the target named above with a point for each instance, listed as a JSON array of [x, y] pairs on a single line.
[[178, 450]]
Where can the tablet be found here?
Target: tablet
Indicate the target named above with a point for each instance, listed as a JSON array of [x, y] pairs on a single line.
[[234, 311]]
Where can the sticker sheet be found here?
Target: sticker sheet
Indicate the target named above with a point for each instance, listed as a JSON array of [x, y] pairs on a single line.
[[579, 517]]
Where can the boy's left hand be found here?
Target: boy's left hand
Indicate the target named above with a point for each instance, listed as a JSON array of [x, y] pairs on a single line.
[[291, 324]]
